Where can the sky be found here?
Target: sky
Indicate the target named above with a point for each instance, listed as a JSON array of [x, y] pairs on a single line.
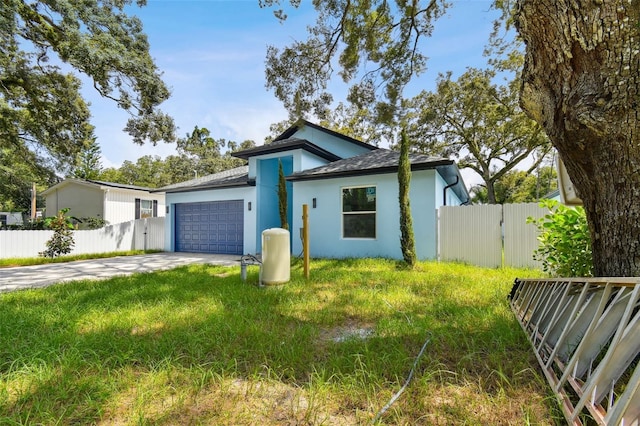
[[212, 56]]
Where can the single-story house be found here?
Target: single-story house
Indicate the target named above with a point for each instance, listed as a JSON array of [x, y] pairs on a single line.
[[113, 202], [11, 219], [351, 189]]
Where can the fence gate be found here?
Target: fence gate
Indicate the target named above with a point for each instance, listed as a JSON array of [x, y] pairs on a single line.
[[478, 234], [471, 234], [586, 336]]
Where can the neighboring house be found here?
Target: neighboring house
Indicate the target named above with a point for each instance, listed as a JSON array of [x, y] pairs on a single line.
[[351, 189], [113, 202], [10, 219]]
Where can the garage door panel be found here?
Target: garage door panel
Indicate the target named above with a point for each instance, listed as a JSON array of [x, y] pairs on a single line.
[[210, 227]]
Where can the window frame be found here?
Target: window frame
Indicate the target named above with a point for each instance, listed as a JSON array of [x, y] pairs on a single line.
[[152, 211], [373, 213], [146, 212]]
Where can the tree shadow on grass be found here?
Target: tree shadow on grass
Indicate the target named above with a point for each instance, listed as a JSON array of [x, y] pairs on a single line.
[[68, 351]]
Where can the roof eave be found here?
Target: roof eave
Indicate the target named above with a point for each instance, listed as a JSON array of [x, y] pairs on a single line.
[[459, 187], [366, 172], [69, 181], [116, 185], [273, 148], [209, 187]]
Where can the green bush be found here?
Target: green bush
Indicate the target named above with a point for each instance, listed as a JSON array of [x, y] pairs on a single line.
[[565, 243], [407, 237], [282, 197], [94, 222], [62, 240]]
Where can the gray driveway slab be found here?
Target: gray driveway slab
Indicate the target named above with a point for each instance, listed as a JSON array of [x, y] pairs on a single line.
[[43, 275]]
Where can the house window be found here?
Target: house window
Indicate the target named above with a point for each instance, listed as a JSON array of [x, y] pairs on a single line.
[[146, 208], [359, 212]]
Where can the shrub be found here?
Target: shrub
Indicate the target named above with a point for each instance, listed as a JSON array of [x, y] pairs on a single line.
[[407, 238], [565, 243], [282, 197], [62, 240], [94, 222]]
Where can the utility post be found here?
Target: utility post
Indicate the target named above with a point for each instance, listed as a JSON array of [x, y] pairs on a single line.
[[33, 201]]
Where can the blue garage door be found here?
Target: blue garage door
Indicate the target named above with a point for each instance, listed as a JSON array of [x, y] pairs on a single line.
[[210, 227]]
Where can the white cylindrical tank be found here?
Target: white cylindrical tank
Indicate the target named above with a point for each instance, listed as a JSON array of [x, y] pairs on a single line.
[[276, 256]]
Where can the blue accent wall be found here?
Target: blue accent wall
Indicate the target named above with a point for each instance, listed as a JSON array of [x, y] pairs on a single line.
[[267, 193]]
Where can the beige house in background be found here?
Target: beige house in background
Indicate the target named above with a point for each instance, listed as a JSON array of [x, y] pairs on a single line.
[[113, 202]]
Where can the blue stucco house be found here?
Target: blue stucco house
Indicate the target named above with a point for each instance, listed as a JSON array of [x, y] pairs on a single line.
[[351, 189]]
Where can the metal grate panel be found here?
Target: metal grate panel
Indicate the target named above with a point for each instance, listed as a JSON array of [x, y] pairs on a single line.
[[586, 336]]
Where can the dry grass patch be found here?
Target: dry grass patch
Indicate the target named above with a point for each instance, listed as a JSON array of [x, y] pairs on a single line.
[[227, 402]]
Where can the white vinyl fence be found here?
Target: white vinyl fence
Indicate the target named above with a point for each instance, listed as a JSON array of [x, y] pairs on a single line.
[[486, 235], [140, 234], [480, 235]]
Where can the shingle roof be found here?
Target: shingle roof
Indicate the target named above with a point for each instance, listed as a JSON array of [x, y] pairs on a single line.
[[238, 176], [98, 184], [287, 145], [120, 185], [379, 161]]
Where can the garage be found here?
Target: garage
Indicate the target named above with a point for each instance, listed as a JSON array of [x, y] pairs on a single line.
[[210, 227]]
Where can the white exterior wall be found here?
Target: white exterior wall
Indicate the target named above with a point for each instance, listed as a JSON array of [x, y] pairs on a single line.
[[246, 194], [81, 200], [13, 218], [120, 204], [325, 221], [115, 205]]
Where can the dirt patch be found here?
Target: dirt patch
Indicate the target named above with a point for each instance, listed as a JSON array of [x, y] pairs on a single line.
[[350, 330]]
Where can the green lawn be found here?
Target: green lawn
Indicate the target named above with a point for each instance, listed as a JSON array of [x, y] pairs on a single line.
[[195, 345]]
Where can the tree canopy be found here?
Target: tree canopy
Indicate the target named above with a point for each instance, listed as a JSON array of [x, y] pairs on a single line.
[[519, 186], [376, 46], [44, 121], [198, 154], [88, 164], [98, 39], [478, 122]]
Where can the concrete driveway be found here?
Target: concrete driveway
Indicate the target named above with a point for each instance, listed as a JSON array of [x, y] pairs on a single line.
[[23, 277]]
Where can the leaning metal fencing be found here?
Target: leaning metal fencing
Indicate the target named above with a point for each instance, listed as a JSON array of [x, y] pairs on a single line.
[[585, 333]]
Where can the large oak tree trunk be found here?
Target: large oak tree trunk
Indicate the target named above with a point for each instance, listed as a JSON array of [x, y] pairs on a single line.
[[581, 82]]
